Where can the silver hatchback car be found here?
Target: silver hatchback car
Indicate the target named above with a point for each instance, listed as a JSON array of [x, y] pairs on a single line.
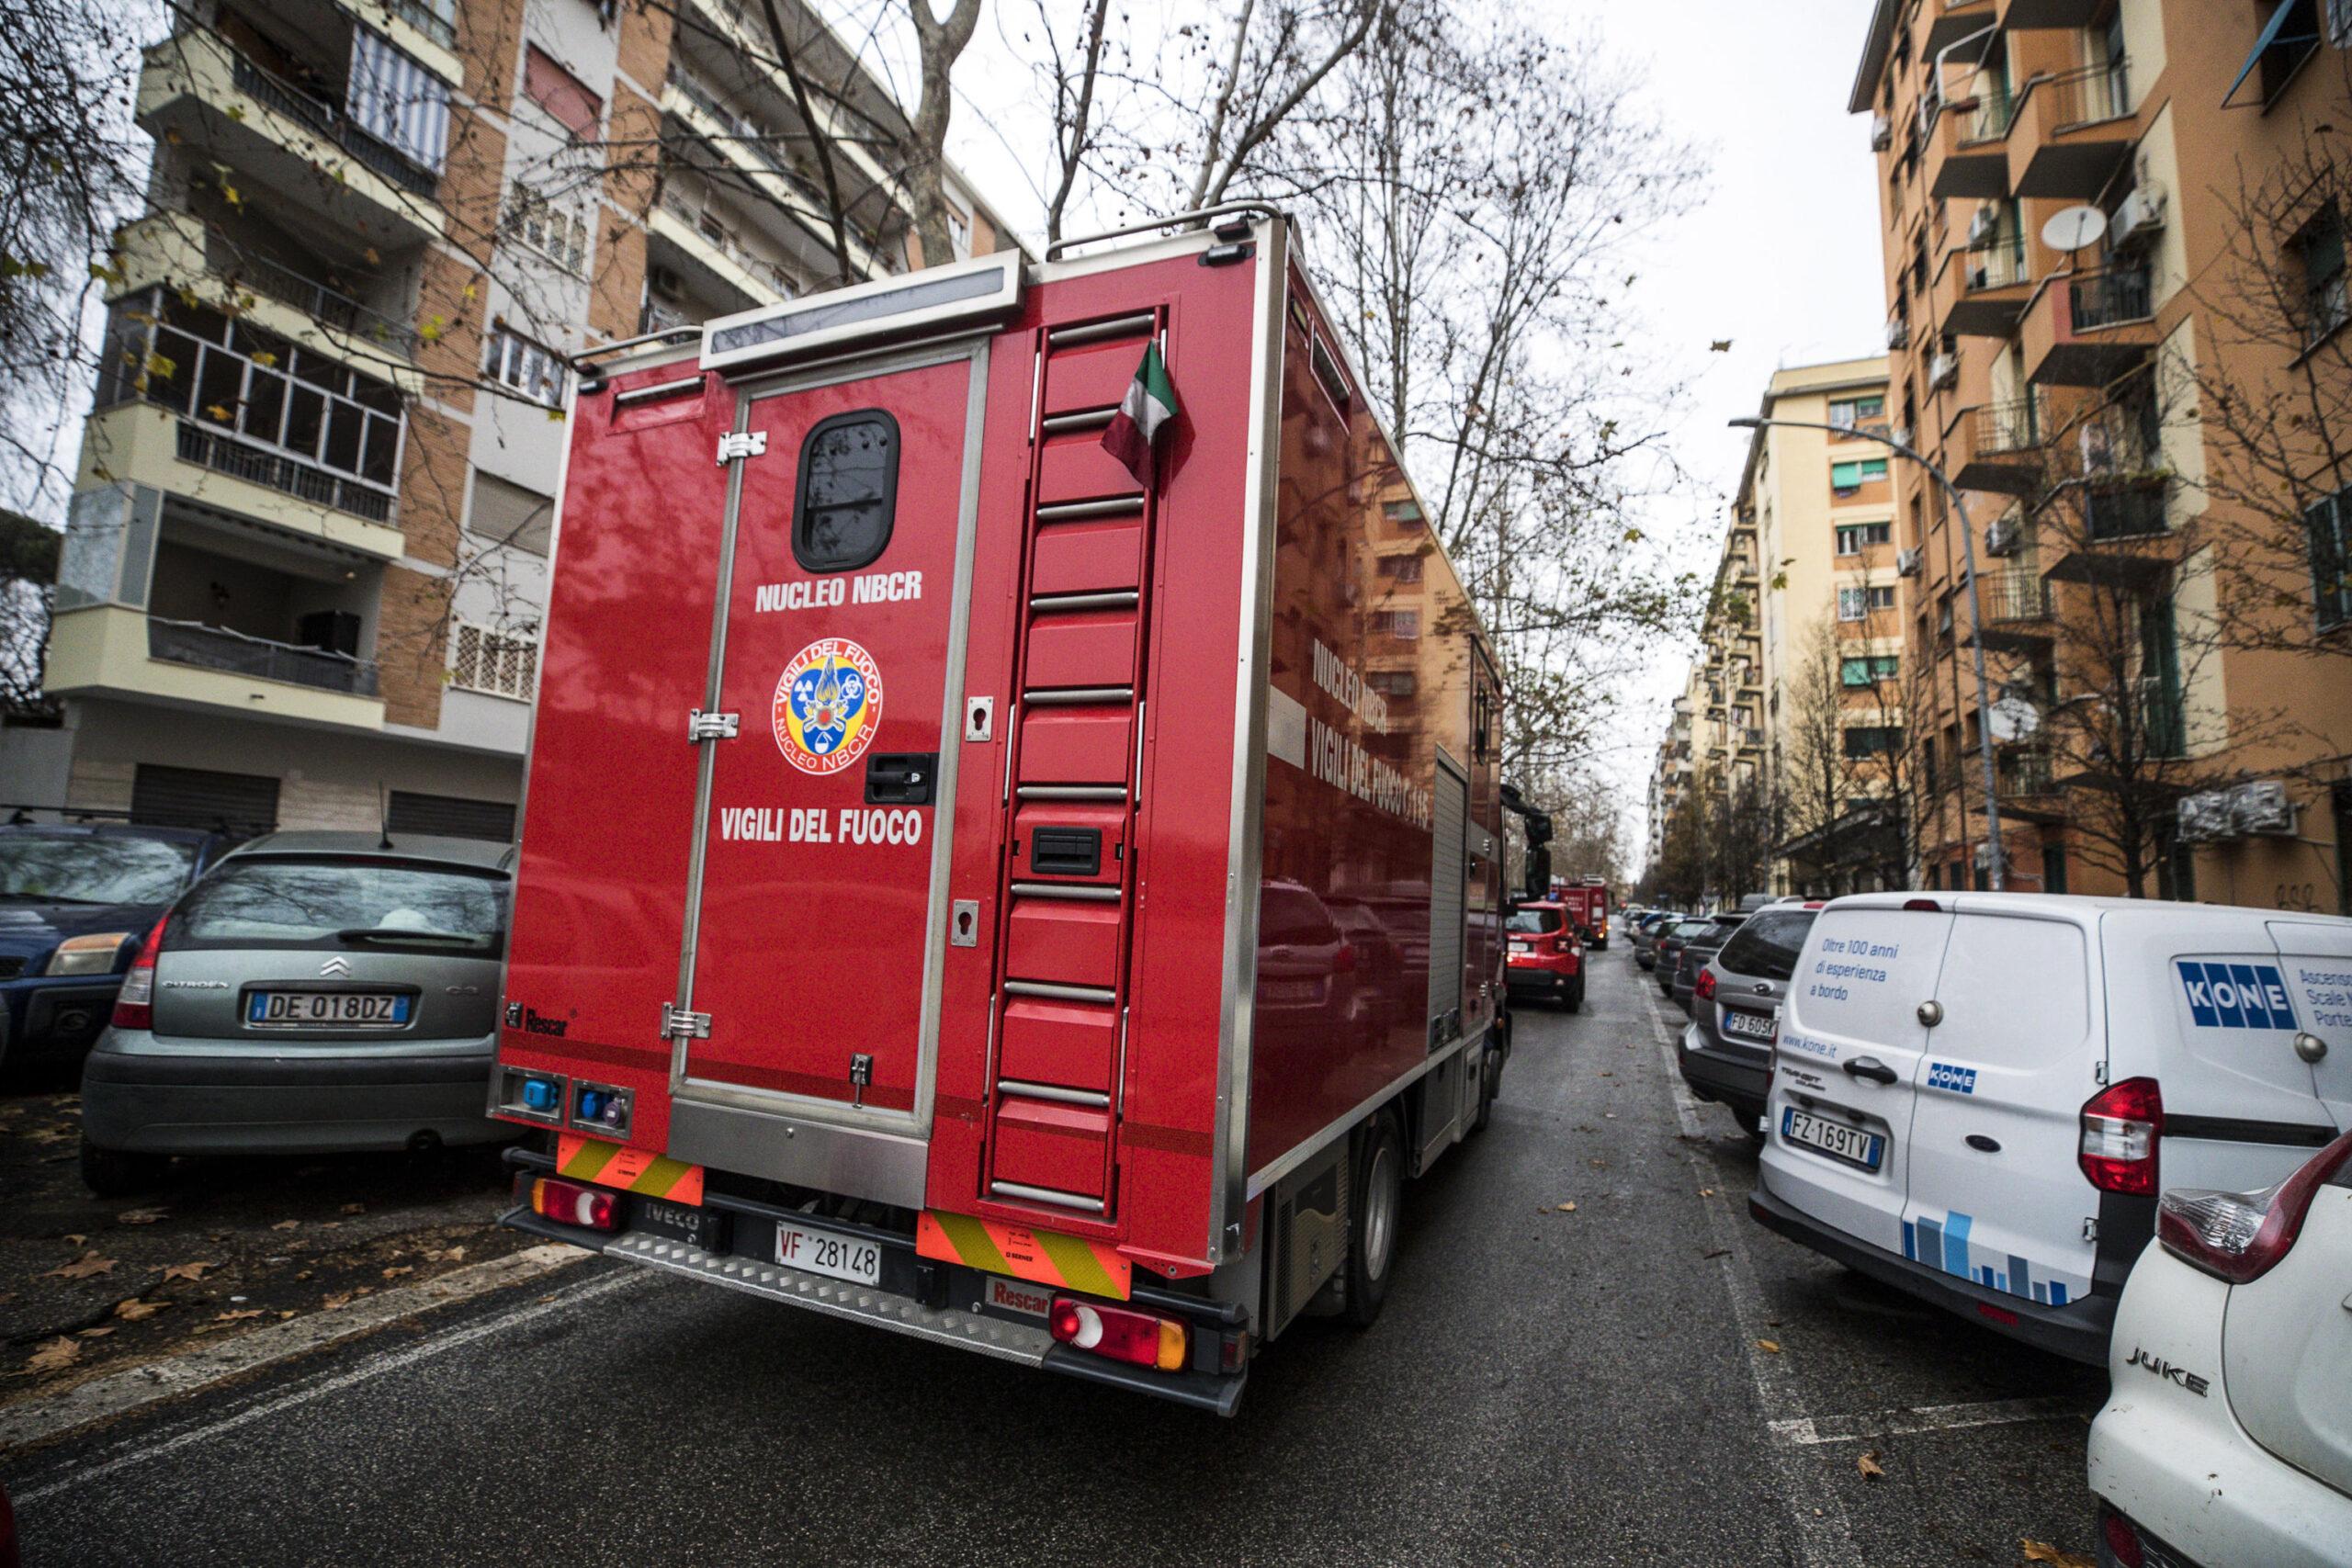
[[315, 993]]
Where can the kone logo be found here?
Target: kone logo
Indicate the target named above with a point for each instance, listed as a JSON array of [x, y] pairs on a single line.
[[2236, 996], [1952, 1079]]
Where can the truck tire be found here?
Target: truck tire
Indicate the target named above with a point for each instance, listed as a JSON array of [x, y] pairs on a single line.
[[113, 1173], [1378, 1191], [1490, 1083]]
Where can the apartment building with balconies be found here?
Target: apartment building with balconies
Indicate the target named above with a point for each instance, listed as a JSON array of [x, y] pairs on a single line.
[[307, 550], [2114, 265]]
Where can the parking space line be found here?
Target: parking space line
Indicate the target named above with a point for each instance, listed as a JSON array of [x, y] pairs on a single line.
[[1810, 1431], [135, 1387], [1824, 1535]]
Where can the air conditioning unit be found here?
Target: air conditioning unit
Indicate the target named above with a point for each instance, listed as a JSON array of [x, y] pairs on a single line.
[[2137, 218], [1882, 132], [2262, 806], [2001, 535], [2201, 819], [1942, 370], [665, 282], [1899, 332], [1984, 224], [1908, 562], [1899, 435]]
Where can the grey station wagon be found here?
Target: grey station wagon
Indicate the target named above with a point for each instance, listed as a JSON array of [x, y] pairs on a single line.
[[316, 993]]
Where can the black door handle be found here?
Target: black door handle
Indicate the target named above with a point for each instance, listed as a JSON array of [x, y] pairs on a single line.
[[1871, 1067]]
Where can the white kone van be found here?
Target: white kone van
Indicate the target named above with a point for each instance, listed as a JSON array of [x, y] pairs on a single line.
[[1973, 1096]]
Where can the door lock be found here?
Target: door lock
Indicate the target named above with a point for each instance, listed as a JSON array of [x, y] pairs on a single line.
[[963, 923], [979, 718], [2310, 1047], [1931, 1014]]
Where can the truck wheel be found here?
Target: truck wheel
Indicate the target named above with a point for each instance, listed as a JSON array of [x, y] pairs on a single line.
[[1490, 1083], [113, 1173], [1372, 1219]]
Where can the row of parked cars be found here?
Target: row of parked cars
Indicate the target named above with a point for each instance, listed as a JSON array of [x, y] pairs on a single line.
[[300, 993], [2120, 1130]]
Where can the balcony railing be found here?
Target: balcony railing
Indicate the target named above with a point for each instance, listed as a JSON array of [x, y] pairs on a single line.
[[279, 472], [2005, 428], [273, 92], [2013, 595], [2025, 771], [1991, 119], [217, 648], [311, 297], [2109, 299], [428, 17], [2085, 96], [2001, 265], [2131, 511]]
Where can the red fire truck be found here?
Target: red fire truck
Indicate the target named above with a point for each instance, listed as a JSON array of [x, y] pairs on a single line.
[[1586, 899], [1022, 891]]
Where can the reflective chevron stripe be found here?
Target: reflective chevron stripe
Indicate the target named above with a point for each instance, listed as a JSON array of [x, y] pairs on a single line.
[[631, 1170], [1048, 1258]]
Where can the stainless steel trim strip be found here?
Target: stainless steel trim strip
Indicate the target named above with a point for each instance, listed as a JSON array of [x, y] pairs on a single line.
[[1071, 792], [1072, 510], [1197, 215], [1082, 891], [1076, 697], [657, 391], [1061, 993], [1048, 1091], [799, 1141], [1053, 603], [1046, 1195], [1096, 332], [1089, 419]]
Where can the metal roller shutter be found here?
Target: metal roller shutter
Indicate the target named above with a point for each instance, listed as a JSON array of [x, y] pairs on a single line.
[[243, 806], [1445, 902], [451, 817]]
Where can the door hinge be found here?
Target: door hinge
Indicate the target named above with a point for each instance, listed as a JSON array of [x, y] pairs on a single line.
[[742, 444], [2090, 1228], [677, 1023], [2099, 1072], [702, 727]]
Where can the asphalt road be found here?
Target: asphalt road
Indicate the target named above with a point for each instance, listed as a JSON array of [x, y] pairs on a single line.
[[1545, 1386]]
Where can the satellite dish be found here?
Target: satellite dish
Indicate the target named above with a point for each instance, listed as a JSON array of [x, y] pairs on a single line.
[[2072, 228]]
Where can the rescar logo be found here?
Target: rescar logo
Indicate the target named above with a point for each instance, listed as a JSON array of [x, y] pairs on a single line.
[[2236, 996]]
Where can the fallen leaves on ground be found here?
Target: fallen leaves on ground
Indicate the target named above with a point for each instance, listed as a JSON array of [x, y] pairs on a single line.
[[355, 1208], [1870, 1467], [139, 1216], [1568, 1208], [240, 1316], [343, 1299], [2042, 1551], [186, 1270], [56, 1356], [83, 1267], [286, 1225], [1769, 1347], [396, 1274], [134, 1309], [445, 1253], [74, 1239], [99, 1332], [1718, 1252]]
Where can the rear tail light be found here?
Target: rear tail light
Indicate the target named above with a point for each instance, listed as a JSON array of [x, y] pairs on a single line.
[[572, 1203], [134, 1005], [1704, 988], [2239, 1237], [1122, 1334], [2121, 1126], [2123, 1542]]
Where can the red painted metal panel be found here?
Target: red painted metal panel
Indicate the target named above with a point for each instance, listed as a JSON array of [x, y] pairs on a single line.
[[1098, 375], [1095, 648], [1088, 558], [1076, 468], [600, 889], [1067, 1044], [816, 904], [1063, 942], [1076, 745], [1044, 1143]]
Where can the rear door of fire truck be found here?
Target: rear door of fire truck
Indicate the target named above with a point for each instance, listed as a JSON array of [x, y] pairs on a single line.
[[817, 911]]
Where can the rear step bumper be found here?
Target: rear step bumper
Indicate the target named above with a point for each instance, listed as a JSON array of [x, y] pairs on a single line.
[[932, 1309]]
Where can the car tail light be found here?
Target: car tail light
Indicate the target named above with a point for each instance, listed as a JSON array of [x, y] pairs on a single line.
[[2121, 1126], [1120, 1334], [1344, 961], [572, 1203], [2239, 1237], [2123, 1542], [1705, 986], [134, 1005]]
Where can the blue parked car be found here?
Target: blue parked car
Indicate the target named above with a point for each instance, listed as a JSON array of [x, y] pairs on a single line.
[[75, 903]]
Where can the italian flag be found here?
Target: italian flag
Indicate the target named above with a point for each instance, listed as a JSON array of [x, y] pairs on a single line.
[[1149, 404]]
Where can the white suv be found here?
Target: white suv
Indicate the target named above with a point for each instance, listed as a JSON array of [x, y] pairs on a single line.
[[2227, 1437], [1971, 1095]]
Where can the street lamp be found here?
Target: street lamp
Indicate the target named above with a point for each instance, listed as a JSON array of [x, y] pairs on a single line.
[[1975, 621]]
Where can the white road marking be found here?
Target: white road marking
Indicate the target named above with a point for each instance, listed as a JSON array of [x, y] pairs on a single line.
[[119, 1393], [1824, 1532], [1807, 1431]]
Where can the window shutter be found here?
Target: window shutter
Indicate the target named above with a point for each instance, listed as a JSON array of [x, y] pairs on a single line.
[[2331, 593], [397, 101], [559, 93]]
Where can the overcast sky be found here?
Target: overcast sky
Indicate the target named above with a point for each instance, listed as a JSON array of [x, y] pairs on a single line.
[[1781, 257]]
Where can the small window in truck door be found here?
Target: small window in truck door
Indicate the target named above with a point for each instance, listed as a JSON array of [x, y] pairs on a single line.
[[848, 492]]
